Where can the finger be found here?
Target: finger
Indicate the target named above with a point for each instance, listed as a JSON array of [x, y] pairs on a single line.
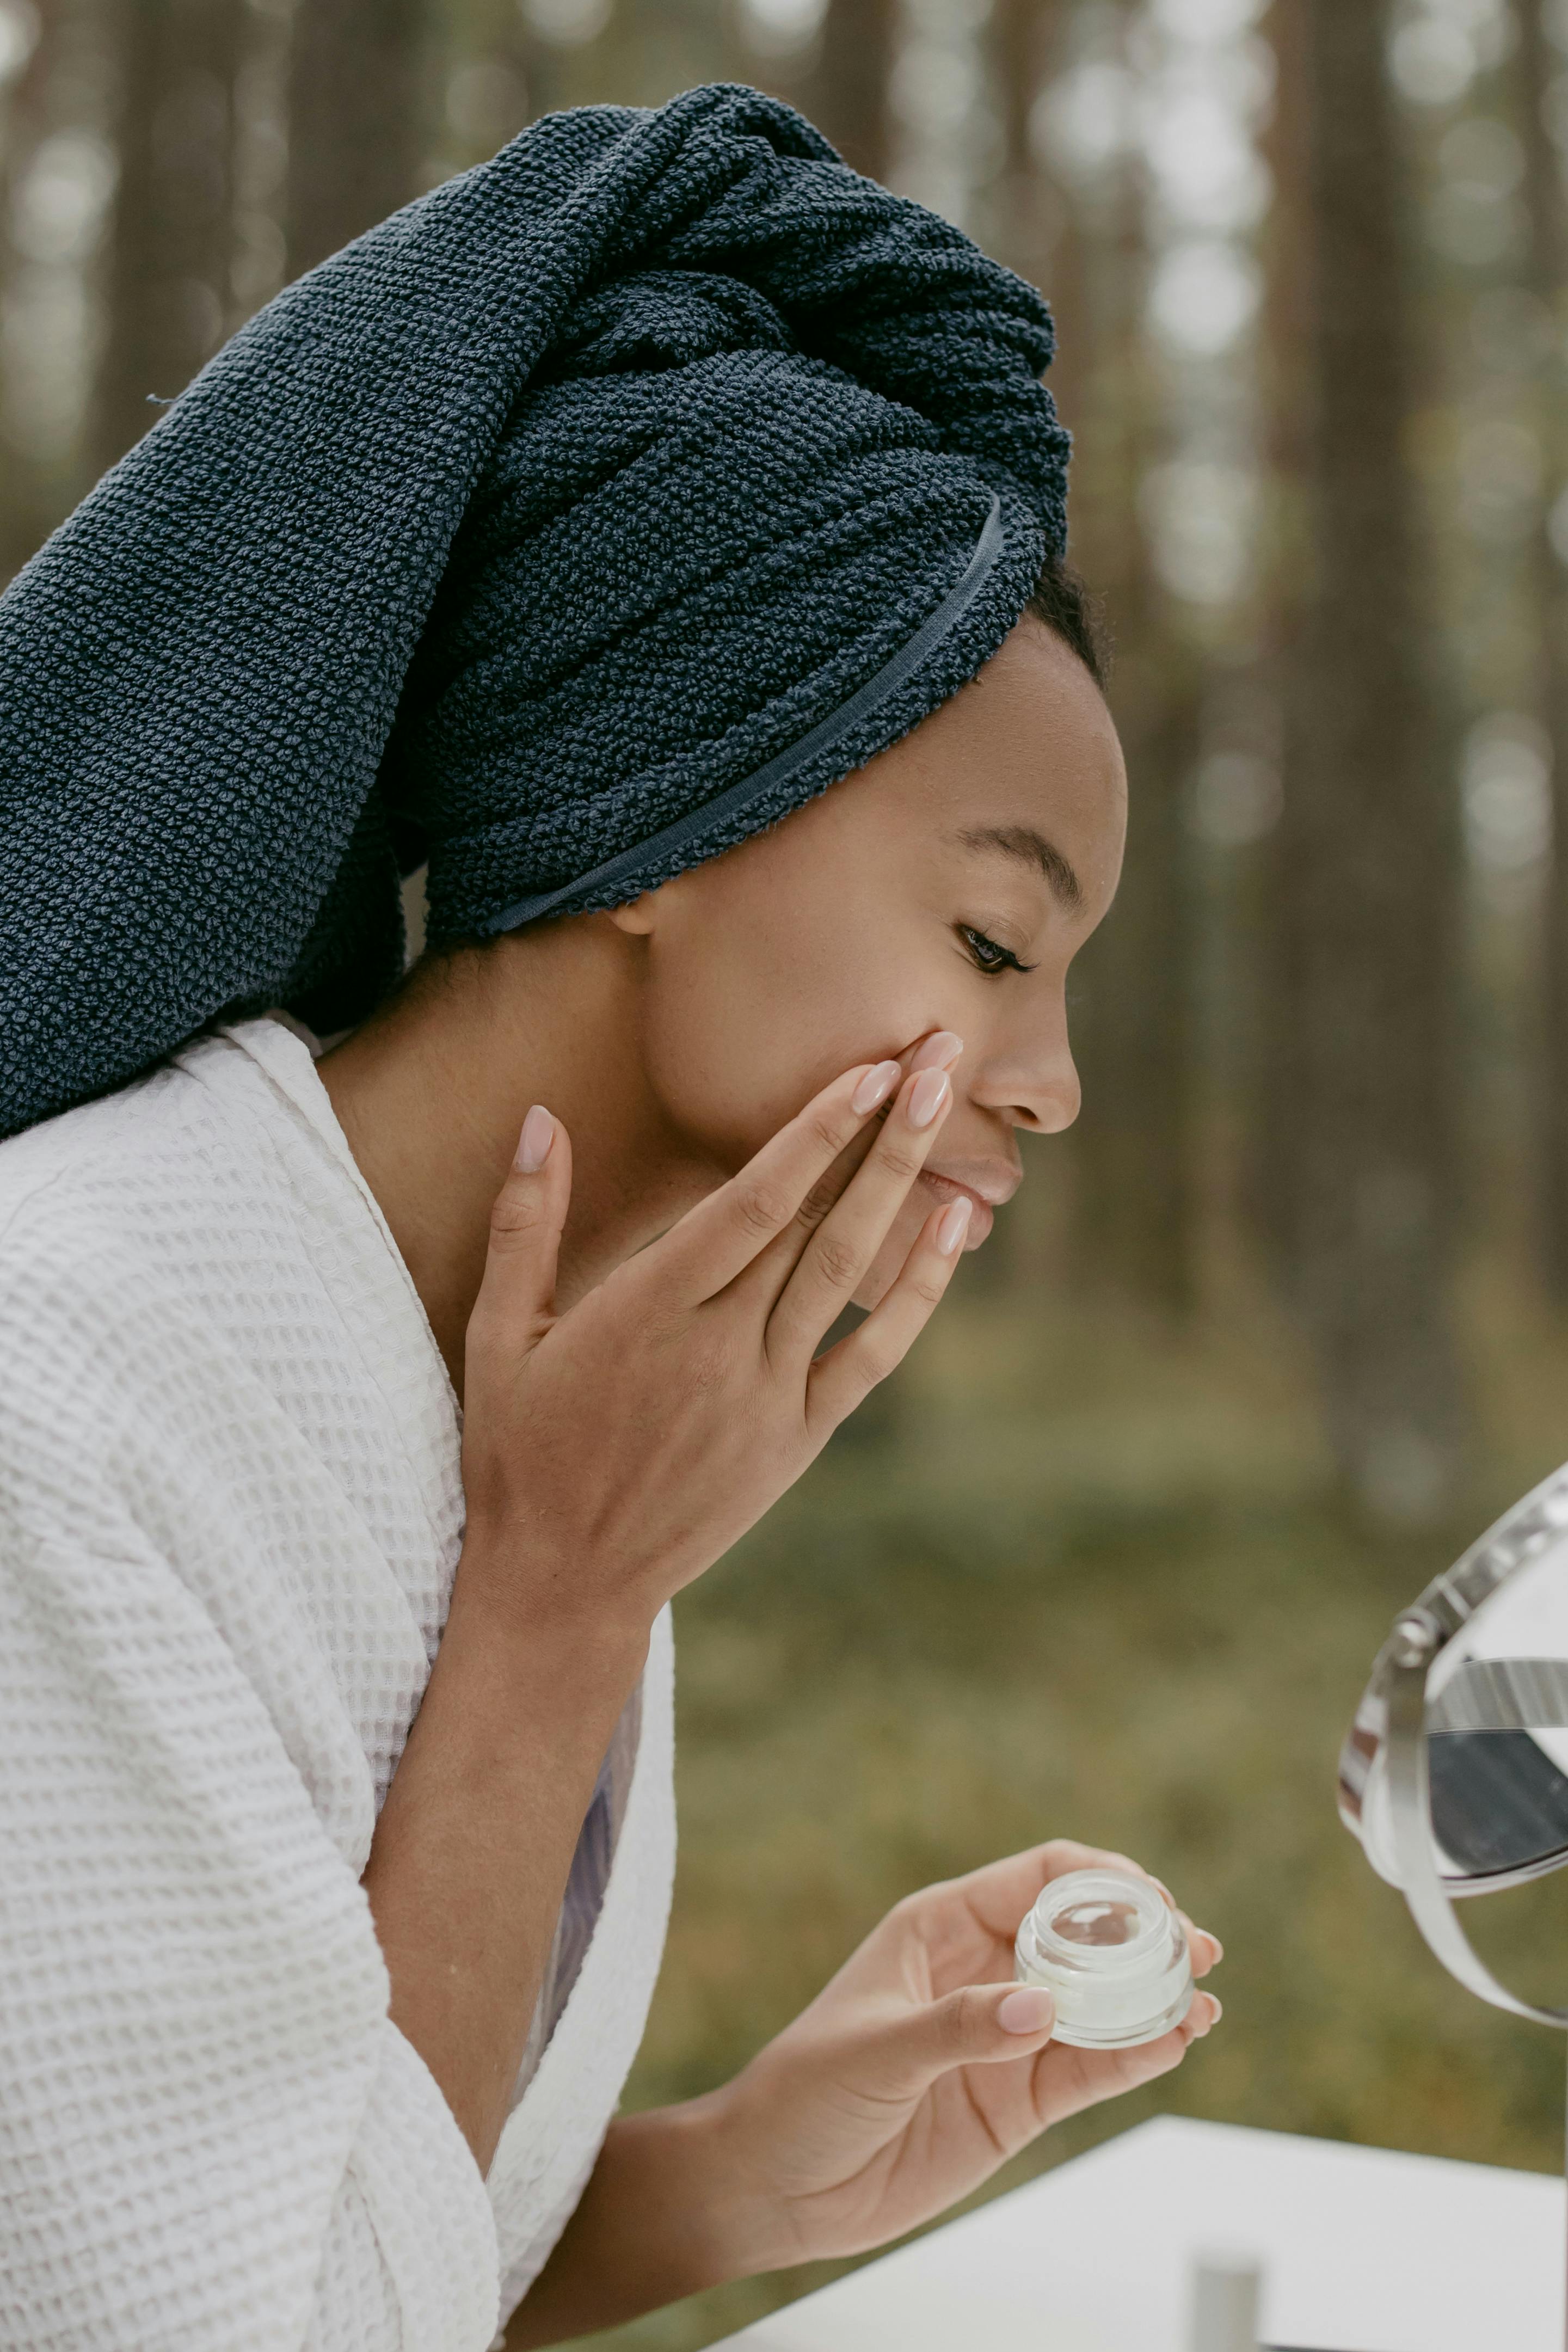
[[834, 1261], [775, 1263], [999, 1892], [517, 1296], [722, 1235], [937, 1052], [977, 2025], [838, 1382], [1067, 2079], [1206, 1950]]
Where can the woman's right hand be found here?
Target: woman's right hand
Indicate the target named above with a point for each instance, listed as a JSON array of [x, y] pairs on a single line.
[[613, 1452]]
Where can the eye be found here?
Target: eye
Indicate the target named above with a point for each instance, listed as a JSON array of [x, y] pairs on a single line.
[[988, 955]]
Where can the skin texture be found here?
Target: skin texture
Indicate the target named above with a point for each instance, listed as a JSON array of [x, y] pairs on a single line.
[[630, 1291]]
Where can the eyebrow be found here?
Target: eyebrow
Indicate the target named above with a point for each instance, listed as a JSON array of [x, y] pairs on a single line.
[[1029, 848]]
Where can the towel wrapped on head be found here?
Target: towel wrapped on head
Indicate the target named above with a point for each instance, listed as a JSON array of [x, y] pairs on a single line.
[[591, 513]]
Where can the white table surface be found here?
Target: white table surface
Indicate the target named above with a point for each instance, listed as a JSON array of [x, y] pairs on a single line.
[[1363, 2250]]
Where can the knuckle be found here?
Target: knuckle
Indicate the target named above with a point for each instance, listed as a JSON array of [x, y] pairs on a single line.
[[514, 1216], [760, 1207], [873, 1362], [904, 1151], [928, 1287], [822, 1197], [957, 2024], [838, 1261], [827, 1131]]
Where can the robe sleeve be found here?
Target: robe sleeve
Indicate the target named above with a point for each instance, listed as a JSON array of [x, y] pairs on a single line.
[[211, 2132]]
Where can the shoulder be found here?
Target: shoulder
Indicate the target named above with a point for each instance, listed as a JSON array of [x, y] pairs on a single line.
[[125, 1227], [141, 1174]]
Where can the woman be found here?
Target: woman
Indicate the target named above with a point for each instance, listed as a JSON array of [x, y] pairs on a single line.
[[575, 531]]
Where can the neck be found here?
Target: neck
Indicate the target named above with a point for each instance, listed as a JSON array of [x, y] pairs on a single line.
[[432, 1090]]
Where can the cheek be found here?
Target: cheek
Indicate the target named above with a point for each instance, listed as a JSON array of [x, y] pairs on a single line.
[[748, 1019]]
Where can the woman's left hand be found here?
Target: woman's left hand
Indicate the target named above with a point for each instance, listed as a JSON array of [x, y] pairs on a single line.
[[921, 2067]]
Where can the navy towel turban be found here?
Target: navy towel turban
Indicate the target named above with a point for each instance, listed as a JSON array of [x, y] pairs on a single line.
[[587, 516]]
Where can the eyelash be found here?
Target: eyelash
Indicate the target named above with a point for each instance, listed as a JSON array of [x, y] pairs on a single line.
[[981, 949]]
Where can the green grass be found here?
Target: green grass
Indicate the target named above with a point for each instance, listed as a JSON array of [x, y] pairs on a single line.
[[1087, 1578]]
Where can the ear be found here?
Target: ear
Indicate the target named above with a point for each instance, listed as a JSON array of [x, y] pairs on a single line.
[[637, 917]]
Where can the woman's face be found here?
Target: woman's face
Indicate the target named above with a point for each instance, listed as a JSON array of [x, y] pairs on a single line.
[[948, 884]]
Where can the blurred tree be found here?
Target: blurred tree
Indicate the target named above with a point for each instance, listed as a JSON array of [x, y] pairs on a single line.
[[1132, 1018], [1546, 270], [847, 94], [1021, 213], [171, 237], [355, 121], [31, 104], [1364, 918]]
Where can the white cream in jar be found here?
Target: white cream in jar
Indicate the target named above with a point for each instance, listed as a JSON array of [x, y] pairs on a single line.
[[1113, 1955]]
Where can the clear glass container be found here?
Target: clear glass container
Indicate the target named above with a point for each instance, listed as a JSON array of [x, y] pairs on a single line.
[[1113, 1954]]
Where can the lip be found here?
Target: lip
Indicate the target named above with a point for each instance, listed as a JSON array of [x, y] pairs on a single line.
[[984, 1185]]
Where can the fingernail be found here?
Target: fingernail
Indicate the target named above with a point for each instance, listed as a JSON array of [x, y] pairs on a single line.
[[875, 1086], [951, 1226], [533, 1146], [926, 1097], [938, 1053], [1028, 2010]]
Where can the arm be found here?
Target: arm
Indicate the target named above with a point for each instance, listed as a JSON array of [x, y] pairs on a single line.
[[471, 1852], [911, 2077], [609, 1456]]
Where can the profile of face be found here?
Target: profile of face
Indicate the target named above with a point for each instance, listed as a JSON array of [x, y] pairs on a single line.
[[946, 885]]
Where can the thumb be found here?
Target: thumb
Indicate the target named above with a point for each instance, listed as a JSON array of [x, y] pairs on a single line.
[[517, 1296], [978, 2025]]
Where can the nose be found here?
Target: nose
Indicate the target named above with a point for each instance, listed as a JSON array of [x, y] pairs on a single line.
[[1027, 1075]]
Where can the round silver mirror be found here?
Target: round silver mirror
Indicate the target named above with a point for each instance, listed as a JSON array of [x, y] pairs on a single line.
[[1455, 1774]]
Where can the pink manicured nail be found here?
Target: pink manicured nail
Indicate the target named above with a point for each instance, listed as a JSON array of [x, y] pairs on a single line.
[[951, 1226], [533, 1146], [938, 1053], [927, 1095], [1028, 2010], [875, 1086]]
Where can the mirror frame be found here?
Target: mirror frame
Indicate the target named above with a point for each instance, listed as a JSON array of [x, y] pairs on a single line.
[[1392, 1720]]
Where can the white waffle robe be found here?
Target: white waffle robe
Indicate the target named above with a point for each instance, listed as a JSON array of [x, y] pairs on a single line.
[[230, 1512]]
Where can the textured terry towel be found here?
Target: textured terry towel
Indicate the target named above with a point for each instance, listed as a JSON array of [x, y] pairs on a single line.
[[539, 518]]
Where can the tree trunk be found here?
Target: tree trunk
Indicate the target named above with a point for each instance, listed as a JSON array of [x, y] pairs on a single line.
[[848, 96], [30, 112], [354, 121], [1136, 1214], [1021, 213], [173, 229], [1365, 918], [1546, 266], [1136, 1200]]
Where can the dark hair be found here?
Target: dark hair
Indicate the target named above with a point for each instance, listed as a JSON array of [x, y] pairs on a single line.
[[1062, 601]]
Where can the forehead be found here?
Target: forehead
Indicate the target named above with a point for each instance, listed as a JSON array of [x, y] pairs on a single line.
[[1029, 743]]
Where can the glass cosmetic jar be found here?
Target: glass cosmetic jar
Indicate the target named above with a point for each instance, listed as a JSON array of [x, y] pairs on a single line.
[[1113, 1954]]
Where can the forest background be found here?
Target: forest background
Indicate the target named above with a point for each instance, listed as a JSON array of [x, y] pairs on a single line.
[[1283, 1321]]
